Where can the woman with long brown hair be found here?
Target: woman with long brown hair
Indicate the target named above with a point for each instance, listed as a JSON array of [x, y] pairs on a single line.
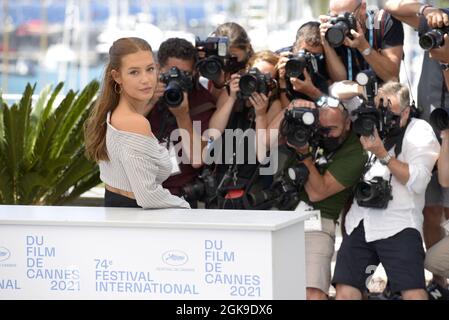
[[239, 47], [118, 136]]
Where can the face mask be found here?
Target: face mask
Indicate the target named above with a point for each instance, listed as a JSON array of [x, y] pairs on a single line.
[[330, 144]]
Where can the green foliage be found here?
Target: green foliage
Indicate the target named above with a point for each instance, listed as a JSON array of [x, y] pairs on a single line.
[[42, 158]]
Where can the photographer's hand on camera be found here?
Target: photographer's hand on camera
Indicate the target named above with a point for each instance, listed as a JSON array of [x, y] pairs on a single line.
[[374, 145], [441, 54], [225, 104], [280, 67], [181, 111], [260, 103], [302, 152], [335, 67], [436, 18], [234, 86], [307, 87], [358, 40]]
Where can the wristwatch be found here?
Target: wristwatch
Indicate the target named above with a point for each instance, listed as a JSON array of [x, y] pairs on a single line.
[[444, 66], [385, 160], [367, 51]]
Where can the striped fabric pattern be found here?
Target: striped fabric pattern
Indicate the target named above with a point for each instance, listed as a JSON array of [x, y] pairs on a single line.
[[138, 164]]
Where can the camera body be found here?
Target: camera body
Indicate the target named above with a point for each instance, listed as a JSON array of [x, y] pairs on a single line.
[[340, 29], [301, 126], [216, 56], [367, 116], [439, 119], [177, 82], [284, 191], [296, 64], [255, 81], [367, 119], [203, 188], [433, 38], [375, 193]]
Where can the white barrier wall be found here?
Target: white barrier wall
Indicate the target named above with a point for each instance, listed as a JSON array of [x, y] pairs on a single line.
[[115, 253]]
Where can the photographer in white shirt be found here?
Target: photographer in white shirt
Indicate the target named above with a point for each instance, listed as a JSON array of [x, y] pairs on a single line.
[[391, 236]]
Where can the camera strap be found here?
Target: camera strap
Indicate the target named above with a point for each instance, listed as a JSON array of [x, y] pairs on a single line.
[[371, 17], [443, 94], [369, 164]]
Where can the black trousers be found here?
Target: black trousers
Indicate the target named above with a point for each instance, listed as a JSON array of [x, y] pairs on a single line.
[[112, 199]]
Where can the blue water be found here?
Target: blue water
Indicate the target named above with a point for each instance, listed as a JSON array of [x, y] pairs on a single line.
[[44, 77]]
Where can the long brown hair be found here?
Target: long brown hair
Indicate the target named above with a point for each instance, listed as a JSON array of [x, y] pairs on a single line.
[[237, 36], [265, 55], [95, 126]]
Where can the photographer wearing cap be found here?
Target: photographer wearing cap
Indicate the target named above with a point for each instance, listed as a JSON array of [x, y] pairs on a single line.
[[302, 72], [328, 187], [179, 101], [432, 94], [361, 39], [384, 224]]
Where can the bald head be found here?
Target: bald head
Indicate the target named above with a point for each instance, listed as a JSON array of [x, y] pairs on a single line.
[[337, 7]]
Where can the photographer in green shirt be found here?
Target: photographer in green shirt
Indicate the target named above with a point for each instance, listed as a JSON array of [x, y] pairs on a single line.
[[328, 188]]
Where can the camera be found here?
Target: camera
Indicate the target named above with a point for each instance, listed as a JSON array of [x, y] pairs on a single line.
[[284, 191], [204, 188], [439, 119], [177, 82], [375, 193], [255, 81], [433, 38], [340, 29], [301, 126], [216, 50], [298, 62], [367, 116]]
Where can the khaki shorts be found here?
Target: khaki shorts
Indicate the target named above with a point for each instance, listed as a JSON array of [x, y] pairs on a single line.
[[320, 247], [437, 258]]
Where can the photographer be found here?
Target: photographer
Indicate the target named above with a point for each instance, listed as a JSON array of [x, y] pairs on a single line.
[[328, 188], [437, 257], [313, 81], [249, 103], [196, 105], [239, 48], [384, 224], [432, 93], [363, 40]]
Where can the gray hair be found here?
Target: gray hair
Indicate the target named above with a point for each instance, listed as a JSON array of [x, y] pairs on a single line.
[[399, 90]]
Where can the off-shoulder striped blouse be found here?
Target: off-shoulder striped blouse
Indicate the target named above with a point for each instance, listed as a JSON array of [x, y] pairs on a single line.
[[138, 164]]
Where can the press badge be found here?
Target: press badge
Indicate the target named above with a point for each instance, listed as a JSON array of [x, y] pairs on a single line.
[[175, 169], [314, 222]]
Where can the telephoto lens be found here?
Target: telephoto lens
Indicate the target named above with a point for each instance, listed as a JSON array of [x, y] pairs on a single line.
[[342, 26], [173, 95], [211, 68], [433, 38], [177, 82]]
